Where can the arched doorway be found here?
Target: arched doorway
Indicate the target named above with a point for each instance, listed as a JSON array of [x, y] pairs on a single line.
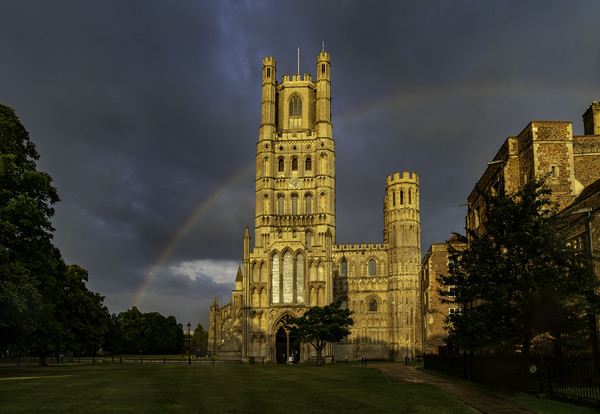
[[284, 347]]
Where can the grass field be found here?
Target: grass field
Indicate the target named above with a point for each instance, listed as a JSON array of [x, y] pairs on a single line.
[[133, 388]]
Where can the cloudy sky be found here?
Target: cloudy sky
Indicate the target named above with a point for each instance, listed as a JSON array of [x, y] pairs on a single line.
[[146, 115]]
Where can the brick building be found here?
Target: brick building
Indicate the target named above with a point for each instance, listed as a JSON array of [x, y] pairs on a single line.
[[571, 164]]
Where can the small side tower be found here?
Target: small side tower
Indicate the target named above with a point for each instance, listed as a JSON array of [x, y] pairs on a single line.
[[269, 97], [323, 101], [402, 235], [591, 119]]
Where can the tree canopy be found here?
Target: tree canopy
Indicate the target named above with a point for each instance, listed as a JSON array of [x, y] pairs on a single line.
[[44, 304], [319, 326], [518, 278]]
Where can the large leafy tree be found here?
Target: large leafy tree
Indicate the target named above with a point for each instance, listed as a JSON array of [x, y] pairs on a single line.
[[44, 304], [518, 278], [319, 326], [29, 263]]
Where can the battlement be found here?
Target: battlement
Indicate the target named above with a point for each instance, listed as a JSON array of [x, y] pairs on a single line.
[[297, 78], [406, 177], [323, 57], [360, 247], [269, 61]]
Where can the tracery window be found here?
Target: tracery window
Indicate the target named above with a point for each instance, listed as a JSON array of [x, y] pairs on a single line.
[[308, 164], [287, 278], [280, 200], [372, 267], [373, 305], [344, 268], [295, 105], [308, 204], [294, 204]]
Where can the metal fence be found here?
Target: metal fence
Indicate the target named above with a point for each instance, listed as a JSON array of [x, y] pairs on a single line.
[[567, 376]]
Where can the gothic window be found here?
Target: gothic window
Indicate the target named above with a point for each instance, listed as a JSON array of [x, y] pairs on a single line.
[[288, 277], [393, 198], [280, 200], [294, 164], [294, 204], [281, 165], [295, 105], [344, 268], [308, 235], [268, 72], [401, 197], [266, 204], [409, 196], [372, 267], [275, 279], [373, 305], [308, 204], [300, 278], [308, 165]]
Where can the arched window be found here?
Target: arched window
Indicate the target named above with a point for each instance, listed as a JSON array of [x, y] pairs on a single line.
[[344, 268], [372, 267], [393, 198], [409, 196], [294, 204], [373, 305], [308, 164], [275, 279], [308, 236], [280, 200], [281, 165], [294, 164], [308, 204], [295, 105], [401, 197], [300, 278]]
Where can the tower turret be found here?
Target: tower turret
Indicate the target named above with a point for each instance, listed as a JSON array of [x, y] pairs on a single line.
[[269, 94], [323, 100]]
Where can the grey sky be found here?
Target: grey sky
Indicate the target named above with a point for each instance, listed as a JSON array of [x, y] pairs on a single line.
[[146, 114]]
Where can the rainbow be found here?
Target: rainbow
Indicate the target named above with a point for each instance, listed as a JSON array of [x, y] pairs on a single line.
[[185, 228]]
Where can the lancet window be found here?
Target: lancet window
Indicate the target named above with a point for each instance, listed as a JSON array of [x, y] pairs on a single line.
[[287, 278]]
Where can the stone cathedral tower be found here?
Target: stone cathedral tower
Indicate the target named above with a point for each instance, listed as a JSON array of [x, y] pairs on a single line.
[[295, 263]]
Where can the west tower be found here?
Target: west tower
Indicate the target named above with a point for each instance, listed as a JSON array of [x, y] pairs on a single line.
[[295, 262]]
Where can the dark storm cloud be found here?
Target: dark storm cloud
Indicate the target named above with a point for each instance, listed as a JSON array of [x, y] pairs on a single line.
[[146, 114]]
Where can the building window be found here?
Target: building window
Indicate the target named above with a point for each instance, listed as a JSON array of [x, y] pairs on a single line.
[[308, 204], [344, 268], [295, 106], [268, 72], [409, 197], [401, 197], [294, 204], [373, 305], [452, 311], [372, 267], [308, 236], [280, 200], [294, 164], [281, 165], [308, 164]]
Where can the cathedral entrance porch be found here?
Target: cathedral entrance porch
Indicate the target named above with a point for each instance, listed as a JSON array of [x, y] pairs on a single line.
[[285, 350]]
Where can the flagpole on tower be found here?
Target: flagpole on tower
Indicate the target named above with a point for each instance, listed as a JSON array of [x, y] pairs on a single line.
[[298, 60]]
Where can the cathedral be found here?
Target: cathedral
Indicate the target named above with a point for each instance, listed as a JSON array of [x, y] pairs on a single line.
[[295, 263]]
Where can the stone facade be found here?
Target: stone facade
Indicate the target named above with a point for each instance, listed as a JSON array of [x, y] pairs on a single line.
[[295, 262], [543, 149], [434, 312]]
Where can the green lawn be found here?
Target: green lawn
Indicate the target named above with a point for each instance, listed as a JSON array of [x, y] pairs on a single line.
[[132, 388], [220, 388]]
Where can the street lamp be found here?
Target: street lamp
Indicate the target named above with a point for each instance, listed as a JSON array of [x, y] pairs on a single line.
[[189, 337]]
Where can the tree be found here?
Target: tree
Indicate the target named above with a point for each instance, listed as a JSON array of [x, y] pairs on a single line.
[[44, 304], [518, 278], [29, 263], [321, 325], [200, 340]]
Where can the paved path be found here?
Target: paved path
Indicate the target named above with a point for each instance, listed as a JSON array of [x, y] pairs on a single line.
[[480, 401]]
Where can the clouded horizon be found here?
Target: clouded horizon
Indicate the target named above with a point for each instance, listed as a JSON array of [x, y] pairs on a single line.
[[146, 115]]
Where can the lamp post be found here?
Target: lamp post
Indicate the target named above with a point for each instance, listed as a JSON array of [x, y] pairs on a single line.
[[189, 338]]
